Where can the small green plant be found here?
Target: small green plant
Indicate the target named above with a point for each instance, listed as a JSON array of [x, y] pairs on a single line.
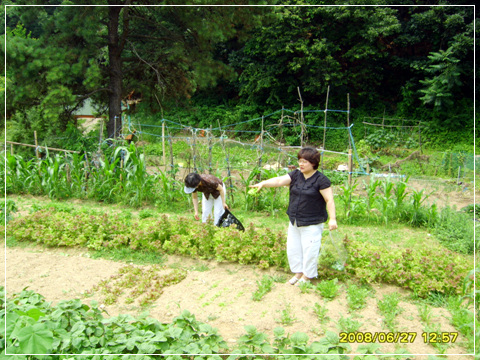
[[472, 297], [145, 213], [425, 313], [254, 341], [357, 297], [287, 317], [264, 286], [8, 210], [348, 325], [321, 312], [432, 333], [328, 288], [305, 287], [389, 308]]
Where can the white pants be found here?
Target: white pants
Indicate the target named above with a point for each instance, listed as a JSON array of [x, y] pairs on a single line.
[[303, 246], [215, 204]]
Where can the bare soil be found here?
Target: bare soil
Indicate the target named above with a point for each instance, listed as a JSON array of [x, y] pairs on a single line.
[[219, 294]]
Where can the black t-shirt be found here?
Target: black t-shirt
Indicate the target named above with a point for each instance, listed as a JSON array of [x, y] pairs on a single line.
[[307, 206]]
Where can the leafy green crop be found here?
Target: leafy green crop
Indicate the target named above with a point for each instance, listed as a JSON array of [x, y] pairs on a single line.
[[34, 326], [424, 270]]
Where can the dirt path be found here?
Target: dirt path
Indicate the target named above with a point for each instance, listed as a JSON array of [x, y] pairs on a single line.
[[218, 294]]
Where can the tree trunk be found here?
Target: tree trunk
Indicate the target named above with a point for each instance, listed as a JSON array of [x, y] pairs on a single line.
[[115, 63]]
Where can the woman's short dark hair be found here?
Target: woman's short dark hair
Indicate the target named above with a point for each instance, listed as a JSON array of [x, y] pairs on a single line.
[[311, 155], [192, 180]]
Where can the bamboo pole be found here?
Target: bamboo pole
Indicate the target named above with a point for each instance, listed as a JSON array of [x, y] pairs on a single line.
[[194, 150], [100, 135], [163, 143], [325, 119], [209, 139], [36, 146], [261, 147], [420, 137], [348, 121], [229, 194], [350, 167], [302, 124], [171, 157]]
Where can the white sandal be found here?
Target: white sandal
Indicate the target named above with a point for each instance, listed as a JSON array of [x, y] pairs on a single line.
[[293, 280], [301, 280]]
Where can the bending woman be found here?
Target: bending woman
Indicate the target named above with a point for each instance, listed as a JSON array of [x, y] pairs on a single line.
[[213, 197]]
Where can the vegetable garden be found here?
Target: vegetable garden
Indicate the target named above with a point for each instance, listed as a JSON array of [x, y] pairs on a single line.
[[438, 275]]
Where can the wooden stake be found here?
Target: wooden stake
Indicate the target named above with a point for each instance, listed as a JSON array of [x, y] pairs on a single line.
[[100, 135], [420, 137], [325, 121], [302, 125], [350, 167], [36, 144], [171, 157], [210, 150], [194, 150], [348, 121], [163, 143]]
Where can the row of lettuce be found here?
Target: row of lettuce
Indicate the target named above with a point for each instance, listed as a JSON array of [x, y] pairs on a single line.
[[423, 270]]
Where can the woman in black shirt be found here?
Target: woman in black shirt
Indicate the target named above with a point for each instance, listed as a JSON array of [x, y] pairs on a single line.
[[311, 204]]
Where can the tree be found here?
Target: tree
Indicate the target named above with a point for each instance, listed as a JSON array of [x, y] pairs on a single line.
[[162, 50], [51, 66], [439, 88]]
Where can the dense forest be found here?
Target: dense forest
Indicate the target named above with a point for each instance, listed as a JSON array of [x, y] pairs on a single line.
[[412, 60]]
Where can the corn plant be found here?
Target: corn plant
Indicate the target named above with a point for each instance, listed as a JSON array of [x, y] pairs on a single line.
[[53, 177], [167, 188], [419, 215], [387, 203], [346, 197], [371, 189], [246, 182], [137, 184], [400, 193], [21, 176]]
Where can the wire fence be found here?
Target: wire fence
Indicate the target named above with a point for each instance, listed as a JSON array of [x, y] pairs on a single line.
[[236, 147]]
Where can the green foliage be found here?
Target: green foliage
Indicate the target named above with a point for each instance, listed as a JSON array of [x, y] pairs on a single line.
[[357, 297], [387, 201], [265, 285], [328, 288], [8, 209], [389, 308], [455, 231], [472, 296], [122, 178], [348, 325], [424, 271], [445, 79], [34, 326]]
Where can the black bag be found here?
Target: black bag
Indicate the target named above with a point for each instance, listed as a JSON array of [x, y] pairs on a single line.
[[227, 219]]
